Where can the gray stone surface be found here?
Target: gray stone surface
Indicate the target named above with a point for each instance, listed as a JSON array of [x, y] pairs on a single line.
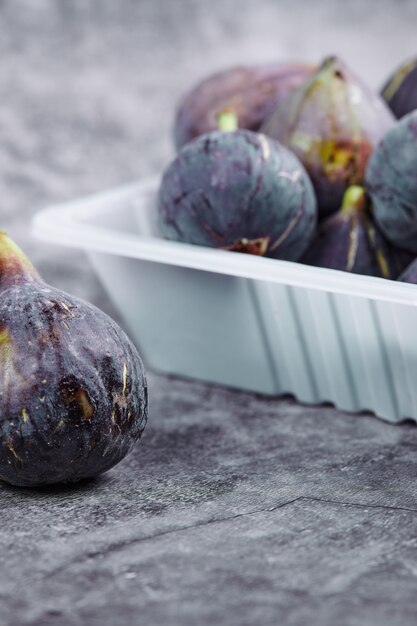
[[234, 509]]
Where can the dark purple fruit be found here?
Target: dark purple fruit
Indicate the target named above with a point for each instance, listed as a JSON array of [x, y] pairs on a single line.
[[350, 241], [400, 91], [251, 93], [239, 191], [73, 395], [332, 123], [409, 275], [391, 181]]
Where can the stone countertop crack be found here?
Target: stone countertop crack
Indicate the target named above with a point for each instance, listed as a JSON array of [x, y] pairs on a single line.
[[359, 504], [114, 547]]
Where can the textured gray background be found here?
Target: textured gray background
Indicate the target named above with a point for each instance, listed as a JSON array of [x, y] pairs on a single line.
[[233, 509]]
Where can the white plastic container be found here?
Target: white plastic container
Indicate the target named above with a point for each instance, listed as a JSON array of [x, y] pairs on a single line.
[[259, 324]]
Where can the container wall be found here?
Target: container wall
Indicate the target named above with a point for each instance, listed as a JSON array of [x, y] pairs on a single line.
[[356, 353]]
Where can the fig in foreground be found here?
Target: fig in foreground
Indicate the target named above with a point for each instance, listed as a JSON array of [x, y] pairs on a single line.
[[250, 92], [73, 395], [239, 191], [332, 123], [391, 182]]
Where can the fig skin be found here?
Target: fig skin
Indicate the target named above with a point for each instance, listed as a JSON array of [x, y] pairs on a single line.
[[400, 91], [332, 123], [73, 395], [251, 92], [350, 241], [392, 183], [409, 275], [238, 191]]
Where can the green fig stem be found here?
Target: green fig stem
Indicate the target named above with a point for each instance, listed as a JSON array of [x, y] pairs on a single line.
[[227, 121], [15, 267], [355, 199], [329, 62]]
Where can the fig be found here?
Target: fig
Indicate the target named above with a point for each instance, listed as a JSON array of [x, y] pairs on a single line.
[[332, 123], [239, 191], [251, 92], [391, 182], [400, 91], [409, 275], [349, 241], [73, 394]]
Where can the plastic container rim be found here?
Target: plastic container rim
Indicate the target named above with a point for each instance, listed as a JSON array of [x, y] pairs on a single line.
[[67, 224]]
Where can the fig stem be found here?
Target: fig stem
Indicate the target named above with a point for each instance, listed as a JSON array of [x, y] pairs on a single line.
[[15, 267], [329, 61], [355, 199], [227, 121]]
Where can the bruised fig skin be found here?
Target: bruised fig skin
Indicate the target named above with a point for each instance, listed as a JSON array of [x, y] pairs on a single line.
[[73, 395], [400, 91], [391, 182], [250, 92], [332, 123], [349, 241], [238, 191]]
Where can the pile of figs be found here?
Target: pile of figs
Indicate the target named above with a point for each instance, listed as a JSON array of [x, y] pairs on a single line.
[[298, 162]]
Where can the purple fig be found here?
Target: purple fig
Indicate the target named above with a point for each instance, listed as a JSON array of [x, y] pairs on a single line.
[[409, 275], [349, 241], [250, 92], [332, 123], [238, 191], [391, 182], [73, 396], [400, 91]]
